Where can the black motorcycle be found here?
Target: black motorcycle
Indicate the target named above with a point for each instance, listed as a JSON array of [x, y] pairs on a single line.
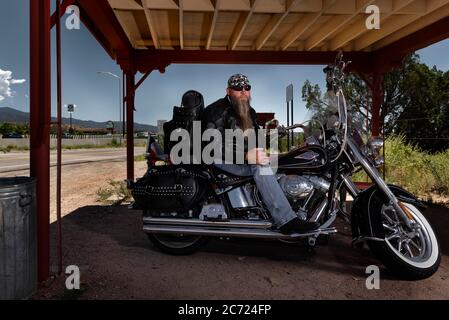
[[183, 205]]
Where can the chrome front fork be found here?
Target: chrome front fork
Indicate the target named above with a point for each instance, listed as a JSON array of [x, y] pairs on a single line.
[[377, 178]]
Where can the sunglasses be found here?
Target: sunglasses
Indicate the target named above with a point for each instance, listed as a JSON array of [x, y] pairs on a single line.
[[240, 88]]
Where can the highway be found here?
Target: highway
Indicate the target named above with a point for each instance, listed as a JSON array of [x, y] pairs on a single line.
[[15, 161]]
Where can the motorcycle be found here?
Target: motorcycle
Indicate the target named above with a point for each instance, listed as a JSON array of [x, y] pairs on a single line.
[[184, 205]]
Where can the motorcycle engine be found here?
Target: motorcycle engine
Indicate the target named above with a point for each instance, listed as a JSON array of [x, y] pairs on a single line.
[[303, 191]]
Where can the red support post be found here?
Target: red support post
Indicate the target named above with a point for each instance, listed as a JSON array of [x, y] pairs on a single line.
[[377, 94], [40, 112], [59, 13], [130, 95], [59, 146]]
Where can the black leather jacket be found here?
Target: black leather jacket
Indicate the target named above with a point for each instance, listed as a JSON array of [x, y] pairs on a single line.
[[220, 115]]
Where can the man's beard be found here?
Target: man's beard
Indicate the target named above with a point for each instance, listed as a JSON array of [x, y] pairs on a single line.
[[242, 108]]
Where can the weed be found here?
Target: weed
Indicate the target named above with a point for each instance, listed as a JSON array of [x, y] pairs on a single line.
[[115, 193]]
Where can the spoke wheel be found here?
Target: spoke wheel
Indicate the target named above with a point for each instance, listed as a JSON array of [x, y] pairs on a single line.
[[412, 252], [414, 246]]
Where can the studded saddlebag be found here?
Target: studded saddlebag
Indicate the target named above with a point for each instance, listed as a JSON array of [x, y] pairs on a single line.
[[169, 188]]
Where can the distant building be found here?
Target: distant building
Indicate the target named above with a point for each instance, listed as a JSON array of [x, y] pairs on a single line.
[[160, 126], [143, 134]]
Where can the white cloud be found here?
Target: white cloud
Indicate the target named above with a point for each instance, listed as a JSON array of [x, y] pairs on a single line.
[[18, 81], [6, 81]]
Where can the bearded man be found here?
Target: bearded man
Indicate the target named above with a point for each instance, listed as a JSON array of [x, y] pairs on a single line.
[[235, 112]]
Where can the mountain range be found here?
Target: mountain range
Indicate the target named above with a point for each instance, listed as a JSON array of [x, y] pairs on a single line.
[[16, 116]]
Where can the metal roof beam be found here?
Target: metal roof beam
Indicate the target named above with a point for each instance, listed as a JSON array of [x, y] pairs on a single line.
[[151, 24], [414, 27], [213, 23], [159, 59], [422, 38], [99, 18], [359, 27], [181, 24], [396, 23], [338, 22], [241, 25], [273, 24], [303, 25]]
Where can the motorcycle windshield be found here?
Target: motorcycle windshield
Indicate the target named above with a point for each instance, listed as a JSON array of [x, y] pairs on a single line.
[[334, 115], [358, 127], [324, 116]]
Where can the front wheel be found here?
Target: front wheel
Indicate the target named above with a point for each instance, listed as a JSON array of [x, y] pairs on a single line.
[[412, 253], [176, 244]]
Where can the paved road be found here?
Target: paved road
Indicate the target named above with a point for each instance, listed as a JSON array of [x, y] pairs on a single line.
[[15, 161]]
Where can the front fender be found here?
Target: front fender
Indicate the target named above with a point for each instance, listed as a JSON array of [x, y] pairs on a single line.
[[360, 208]]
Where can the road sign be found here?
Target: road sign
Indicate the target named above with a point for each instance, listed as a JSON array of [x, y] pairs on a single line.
[[289, 93], [71, 108], [109, 125]]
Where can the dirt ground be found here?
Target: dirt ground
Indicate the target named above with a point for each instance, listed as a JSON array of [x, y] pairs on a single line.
[[117, 261]]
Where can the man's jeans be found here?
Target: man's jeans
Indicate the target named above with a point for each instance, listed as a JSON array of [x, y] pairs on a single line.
[[272, 194]]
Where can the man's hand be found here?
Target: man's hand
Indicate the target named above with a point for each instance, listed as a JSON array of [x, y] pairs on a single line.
[[257, 156]]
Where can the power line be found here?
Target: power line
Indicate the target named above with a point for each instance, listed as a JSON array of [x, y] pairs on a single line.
[[414, 119], [427, 138]]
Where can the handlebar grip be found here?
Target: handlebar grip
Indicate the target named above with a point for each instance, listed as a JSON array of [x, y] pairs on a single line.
[[294, 126]]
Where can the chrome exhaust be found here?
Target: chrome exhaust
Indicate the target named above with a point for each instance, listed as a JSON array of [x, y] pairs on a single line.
[[233, 232], [249, 224]]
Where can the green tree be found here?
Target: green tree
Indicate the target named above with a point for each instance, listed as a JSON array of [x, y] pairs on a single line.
[[6, 128], [423, 111], [415, 104]]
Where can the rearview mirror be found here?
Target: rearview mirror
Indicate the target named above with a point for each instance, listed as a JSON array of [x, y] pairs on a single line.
[[273, 123]]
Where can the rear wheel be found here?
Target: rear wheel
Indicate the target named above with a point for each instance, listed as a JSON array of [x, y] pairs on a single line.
[[412, 252], [176, 244]]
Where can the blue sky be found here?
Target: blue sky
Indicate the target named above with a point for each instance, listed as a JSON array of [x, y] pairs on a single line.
[[96, 95]]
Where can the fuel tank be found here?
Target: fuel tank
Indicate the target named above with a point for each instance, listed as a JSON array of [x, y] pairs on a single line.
[[307, 158]]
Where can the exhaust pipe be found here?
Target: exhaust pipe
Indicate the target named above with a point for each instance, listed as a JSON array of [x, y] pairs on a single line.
[[256, 224], [233, 232]]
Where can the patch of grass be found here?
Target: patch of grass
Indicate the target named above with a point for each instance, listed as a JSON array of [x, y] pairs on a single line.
[[417, 171], [10, 148], [115, 143], [408, 166], [90, 146], [140, 158], [114, 193]]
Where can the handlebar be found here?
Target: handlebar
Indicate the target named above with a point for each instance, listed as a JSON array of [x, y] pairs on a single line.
[[295, 126]]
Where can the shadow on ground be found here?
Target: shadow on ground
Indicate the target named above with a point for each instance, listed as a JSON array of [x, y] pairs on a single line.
[[110, 243]]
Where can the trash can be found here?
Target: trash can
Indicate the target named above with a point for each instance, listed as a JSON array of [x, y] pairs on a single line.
[[18, 238]]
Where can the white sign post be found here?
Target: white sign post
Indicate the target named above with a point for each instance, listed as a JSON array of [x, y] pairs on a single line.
[[70, 110], [289, 99]]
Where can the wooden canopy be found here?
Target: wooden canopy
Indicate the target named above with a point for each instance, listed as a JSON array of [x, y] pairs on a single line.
[[146, 35]]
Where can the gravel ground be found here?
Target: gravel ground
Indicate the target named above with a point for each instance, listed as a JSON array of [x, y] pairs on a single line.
[[117, 261]]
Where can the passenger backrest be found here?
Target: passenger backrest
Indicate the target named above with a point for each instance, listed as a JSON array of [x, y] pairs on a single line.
[[191, 109]]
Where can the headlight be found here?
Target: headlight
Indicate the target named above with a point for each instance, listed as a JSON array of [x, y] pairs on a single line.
[[373, 151], [376, 144]]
